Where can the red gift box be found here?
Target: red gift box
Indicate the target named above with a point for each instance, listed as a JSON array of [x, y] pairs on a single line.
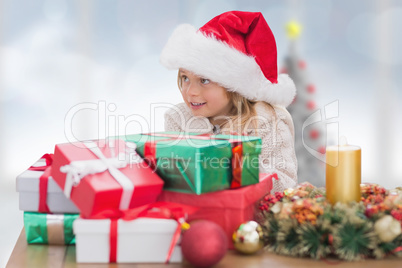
[[228, 208], [98, 176]]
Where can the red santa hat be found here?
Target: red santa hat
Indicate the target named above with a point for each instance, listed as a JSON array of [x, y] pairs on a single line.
[[235, 49]]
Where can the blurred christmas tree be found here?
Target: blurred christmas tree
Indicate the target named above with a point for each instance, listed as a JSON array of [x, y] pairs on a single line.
[[310, 168]]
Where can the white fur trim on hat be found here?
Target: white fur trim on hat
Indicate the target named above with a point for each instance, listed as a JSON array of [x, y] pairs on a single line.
[[210, 58]]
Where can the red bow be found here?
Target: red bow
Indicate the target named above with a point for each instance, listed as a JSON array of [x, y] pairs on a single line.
[[43, 181]]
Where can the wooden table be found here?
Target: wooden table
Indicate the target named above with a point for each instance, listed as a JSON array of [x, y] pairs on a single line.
[[41, 256]]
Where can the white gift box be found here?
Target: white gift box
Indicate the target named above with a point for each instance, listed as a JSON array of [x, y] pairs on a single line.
[[28, 188], [143, 240]]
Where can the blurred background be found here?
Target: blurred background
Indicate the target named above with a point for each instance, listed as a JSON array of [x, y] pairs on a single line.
[[89, 69]]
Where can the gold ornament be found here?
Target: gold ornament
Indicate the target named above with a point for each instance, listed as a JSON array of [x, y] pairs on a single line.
[[295, 194], [248, 238], [387, 228], [289, 192]]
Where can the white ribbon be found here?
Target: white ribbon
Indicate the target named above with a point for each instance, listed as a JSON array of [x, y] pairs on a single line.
[[77, 170]]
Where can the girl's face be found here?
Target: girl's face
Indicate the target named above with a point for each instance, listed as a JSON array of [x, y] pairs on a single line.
[[204, 97]]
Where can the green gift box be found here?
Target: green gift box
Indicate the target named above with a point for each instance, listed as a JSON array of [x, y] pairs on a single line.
[[54, 229], [200, 163]]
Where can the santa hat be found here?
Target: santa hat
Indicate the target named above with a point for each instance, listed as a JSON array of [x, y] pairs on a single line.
[[235, 49]]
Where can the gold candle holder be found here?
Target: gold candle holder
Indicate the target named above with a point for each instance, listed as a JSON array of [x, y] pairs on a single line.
[[343, 173]]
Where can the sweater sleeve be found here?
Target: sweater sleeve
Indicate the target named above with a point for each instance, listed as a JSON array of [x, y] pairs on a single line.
[[278, 152], [171, 124]]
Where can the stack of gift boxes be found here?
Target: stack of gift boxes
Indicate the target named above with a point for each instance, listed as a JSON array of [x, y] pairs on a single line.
[[125, 199]]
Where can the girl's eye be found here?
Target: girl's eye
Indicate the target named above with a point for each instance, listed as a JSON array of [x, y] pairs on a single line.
[[205, 81], [184, 78]]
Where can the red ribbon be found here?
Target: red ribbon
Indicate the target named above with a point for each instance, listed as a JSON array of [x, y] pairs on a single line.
[[237, 158], [237, 153], [158, 210], [113, 240], [396, 250], [150, 154], [49, 160], [43, 182]]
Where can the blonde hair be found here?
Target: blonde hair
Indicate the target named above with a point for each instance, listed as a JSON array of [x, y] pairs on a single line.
[[241, 117]]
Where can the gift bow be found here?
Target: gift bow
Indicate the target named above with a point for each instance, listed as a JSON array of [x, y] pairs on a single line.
[[77, 170], [48, 162], [43, 182], [158, 210]]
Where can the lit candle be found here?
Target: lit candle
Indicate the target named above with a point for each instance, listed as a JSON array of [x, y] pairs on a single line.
[[343, 172]]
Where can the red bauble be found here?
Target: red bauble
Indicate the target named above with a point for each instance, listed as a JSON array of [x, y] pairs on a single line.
[[322, 150], [283, 71], [204, 244], [311, 88], [302, 64], [314, 134], [311, 105]]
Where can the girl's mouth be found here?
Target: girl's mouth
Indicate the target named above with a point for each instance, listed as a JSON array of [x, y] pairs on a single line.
[[197, 105]]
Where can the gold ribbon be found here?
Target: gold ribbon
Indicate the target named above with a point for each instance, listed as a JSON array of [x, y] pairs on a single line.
[[55, 229]]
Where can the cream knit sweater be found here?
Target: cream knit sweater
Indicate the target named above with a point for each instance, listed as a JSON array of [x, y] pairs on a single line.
[[275, 127]]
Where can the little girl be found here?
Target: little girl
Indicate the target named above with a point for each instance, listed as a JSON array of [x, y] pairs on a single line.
[[229, 83]]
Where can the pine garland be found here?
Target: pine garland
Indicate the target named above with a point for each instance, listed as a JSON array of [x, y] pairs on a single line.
[[314, 241], [300, 222], [271, 229], [354, 241]]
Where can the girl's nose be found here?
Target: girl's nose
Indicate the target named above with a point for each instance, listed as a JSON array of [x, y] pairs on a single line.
[[193, 89]]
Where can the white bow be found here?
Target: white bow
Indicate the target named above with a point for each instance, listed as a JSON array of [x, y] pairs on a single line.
[[77, 170]]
